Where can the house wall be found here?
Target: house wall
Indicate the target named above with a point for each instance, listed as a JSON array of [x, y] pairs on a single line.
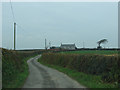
[[68, 47]]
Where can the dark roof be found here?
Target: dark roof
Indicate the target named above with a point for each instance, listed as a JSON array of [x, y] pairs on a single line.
[[67, 44]]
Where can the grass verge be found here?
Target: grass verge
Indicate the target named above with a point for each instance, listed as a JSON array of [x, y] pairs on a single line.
[[90, 81], [20, 77]]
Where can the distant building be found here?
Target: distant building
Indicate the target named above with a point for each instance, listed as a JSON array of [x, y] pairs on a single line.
[[68, 46], [54, 47]]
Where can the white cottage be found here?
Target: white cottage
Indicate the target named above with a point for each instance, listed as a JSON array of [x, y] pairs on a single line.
[[68, 46]]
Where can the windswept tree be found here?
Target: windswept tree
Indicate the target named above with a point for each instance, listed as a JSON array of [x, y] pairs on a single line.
[[103, 41]]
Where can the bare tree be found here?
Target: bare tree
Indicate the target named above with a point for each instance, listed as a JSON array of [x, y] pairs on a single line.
[[103, 41]]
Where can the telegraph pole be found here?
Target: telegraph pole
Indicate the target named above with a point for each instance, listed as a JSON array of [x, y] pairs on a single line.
[[14, 36], [45, 44]]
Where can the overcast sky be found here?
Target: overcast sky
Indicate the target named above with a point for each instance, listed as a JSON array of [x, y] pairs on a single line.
[[60, 22]]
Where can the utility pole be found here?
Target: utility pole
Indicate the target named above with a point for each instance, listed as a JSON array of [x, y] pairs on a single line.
[[45, 44], [49, 44], [14, 36]]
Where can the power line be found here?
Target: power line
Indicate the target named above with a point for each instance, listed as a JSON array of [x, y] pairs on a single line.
[[12, 11], [14, 25], [20, 27], [14, 16]]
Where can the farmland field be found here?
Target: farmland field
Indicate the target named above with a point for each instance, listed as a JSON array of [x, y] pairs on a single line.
[[103, 52]]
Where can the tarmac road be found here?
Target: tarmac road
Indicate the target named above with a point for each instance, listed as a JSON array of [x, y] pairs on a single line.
[[43, 77]]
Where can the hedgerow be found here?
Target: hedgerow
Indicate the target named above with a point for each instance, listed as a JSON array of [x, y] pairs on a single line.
[[105, 66], [12, 65]]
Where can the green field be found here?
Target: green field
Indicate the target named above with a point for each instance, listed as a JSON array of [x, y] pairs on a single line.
[[105, 52]]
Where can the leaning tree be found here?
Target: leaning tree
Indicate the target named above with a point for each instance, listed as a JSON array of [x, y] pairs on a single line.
[[103, 41]]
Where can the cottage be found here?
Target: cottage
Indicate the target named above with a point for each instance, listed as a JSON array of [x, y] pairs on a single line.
[[68, 46]]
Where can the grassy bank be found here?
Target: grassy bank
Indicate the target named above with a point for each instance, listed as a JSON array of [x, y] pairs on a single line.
[[15, 68], [90, 81], [103, 69]]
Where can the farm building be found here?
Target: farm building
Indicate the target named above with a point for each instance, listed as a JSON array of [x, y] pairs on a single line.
[[68, 46]]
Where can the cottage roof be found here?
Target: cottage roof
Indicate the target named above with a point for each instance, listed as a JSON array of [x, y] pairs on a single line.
[[67, 44]]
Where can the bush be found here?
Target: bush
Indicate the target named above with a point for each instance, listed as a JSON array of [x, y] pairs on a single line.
[[105, 66], [13, 64]]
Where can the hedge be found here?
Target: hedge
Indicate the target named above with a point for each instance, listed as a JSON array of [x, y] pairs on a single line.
[[105, 66], [12, 64]]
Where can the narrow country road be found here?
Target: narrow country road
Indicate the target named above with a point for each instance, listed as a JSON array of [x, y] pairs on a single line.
[[43, 77]]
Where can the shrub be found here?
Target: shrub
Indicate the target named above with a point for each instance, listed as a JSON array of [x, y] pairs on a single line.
[[12, 64], [105, 66]]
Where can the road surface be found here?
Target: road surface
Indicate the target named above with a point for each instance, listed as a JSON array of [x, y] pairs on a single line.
[[43, 77]]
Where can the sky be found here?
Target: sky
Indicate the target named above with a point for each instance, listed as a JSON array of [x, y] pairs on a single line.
[[60, 22], [61, 0], [0, 24]]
